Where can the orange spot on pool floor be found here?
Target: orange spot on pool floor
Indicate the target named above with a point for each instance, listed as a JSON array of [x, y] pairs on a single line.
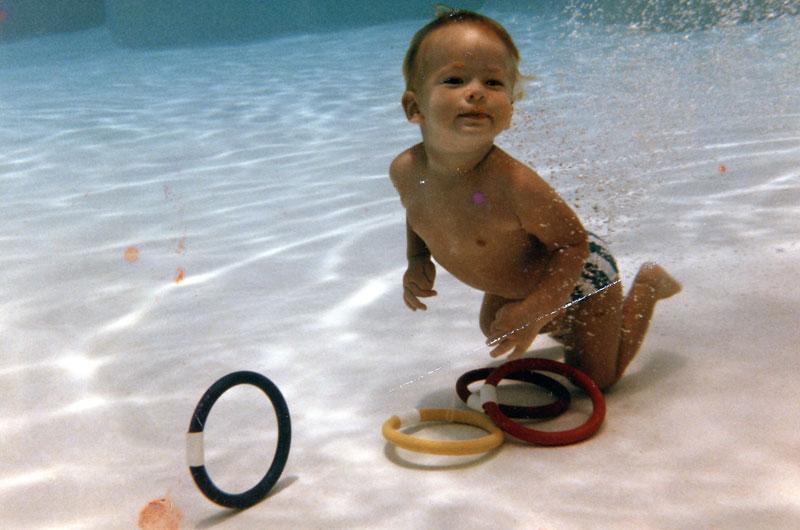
[[181, 274], [131, 254], [160, 514], [722, 168], [3, 16]]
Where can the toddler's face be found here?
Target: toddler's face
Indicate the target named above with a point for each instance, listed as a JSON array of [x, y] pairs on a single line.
[[464, 85]]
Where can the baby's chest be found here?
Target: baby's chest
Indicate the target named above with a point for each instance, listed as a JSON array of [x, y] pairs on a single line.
[[471, 216]]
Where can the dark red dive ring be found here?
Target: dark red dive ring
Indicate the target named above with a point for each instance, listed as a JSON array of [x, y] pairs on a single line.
[[488, 396], [551, 410]]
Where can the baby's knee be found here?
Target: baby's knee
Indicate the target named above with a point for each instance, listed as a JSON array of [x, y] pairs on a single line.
[[604, 376], [606, 384], [603, 379]]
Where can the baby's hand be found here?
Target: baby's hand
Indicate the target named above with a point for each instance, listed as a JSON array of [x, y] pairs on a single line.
[[513, 328], [418, 282]]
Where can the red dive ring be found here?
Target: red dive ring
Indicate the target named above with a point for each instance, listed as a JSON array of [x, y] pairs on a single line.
[[488, 395], [550, 410]]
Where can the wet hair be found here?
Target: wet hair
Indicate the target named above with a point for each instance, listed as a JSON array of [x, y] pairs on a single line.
[[444, 17]]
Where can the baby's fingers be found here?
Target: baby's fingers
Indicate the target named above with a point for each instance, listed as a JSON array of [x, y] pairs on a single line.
[[507, 343], [411, 292], [418, 291], [518, 352], [412, 301], [503, 347]]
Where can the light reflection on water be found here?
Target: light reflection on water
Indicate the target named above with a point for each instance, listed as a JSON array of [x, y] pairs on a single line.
[[266, 183]]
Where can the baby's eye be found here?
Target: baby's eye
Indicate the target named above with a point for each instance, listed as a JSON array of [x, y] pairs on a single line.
[[495, 82], [452, 80]]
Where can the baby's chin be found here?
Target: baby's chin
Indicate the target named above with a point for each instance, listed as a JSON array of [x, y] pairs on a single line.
[[470, 140], [470, 135], [463, 139]]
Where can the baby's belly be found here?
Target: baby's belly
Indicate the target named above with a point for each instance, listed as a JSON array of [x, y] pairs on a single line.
[[504, 269]]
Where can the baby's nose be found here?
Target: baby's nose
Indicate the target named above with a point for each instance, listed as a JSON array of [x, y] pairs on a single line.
[[474, 91], [475, 95]]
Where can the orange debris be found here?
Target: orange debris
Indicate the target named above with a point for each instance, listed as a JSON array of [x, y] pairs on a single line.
[[160, 514], [131, 254]]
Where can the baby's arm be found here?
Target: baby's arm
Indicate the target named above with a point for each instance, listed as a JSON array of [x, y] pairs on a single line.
[[543, 214], [421, 273]]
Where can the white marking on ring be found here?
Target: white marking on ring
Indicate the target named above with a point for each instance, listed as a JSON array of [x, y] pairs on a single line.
[[195, 450]]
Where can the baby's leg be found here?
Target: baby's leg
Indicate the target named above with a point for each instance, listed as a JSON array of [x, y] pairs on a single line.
[[607, 332], [594, 338], [652, 283]]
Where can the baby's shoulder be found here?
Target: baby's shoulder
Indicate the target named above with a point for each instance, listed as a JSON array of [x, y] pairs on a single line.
[[406, 163], [516, 174]]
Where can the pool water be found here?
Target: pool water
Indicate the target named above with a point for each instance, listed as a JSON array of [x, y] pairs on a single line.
[[172, 215]]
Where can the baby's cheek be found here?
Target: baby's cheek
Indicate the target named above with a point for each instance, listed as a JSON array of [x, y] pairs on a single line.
[[506, 121]]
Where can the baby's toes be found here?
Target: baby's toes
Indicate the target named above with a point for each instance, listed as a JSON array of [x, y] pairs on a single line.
[[660, 280]]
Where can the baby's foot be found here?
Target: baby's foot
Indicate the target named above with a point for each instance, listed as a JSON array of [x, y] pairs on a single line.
[[654, 276]]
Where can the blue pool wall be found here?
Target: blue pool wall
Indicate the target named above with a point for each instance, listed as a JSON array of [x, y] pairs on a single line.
[[149, 23], [166, 23], [32, 18]]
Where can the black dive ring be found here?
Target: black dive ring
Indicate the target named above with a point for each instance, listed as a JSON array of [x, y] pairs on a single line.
[[551, 410], [195, 441]]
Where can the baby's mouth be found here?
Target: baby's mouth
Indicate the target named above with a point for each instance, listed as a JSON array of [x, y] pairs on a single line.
[[474, 115]]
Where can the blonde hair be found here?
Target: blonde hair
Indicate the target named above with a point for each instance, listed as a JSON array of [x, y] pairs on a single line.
[[446, 16]]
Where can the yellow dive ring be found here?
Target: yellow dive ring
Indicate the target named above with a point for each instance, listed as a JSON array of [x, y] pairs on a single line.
[[483, 444]]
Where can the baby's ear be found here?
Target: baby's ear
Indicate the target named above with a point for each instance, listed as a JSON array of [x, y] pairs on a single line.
[[411, 107]]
